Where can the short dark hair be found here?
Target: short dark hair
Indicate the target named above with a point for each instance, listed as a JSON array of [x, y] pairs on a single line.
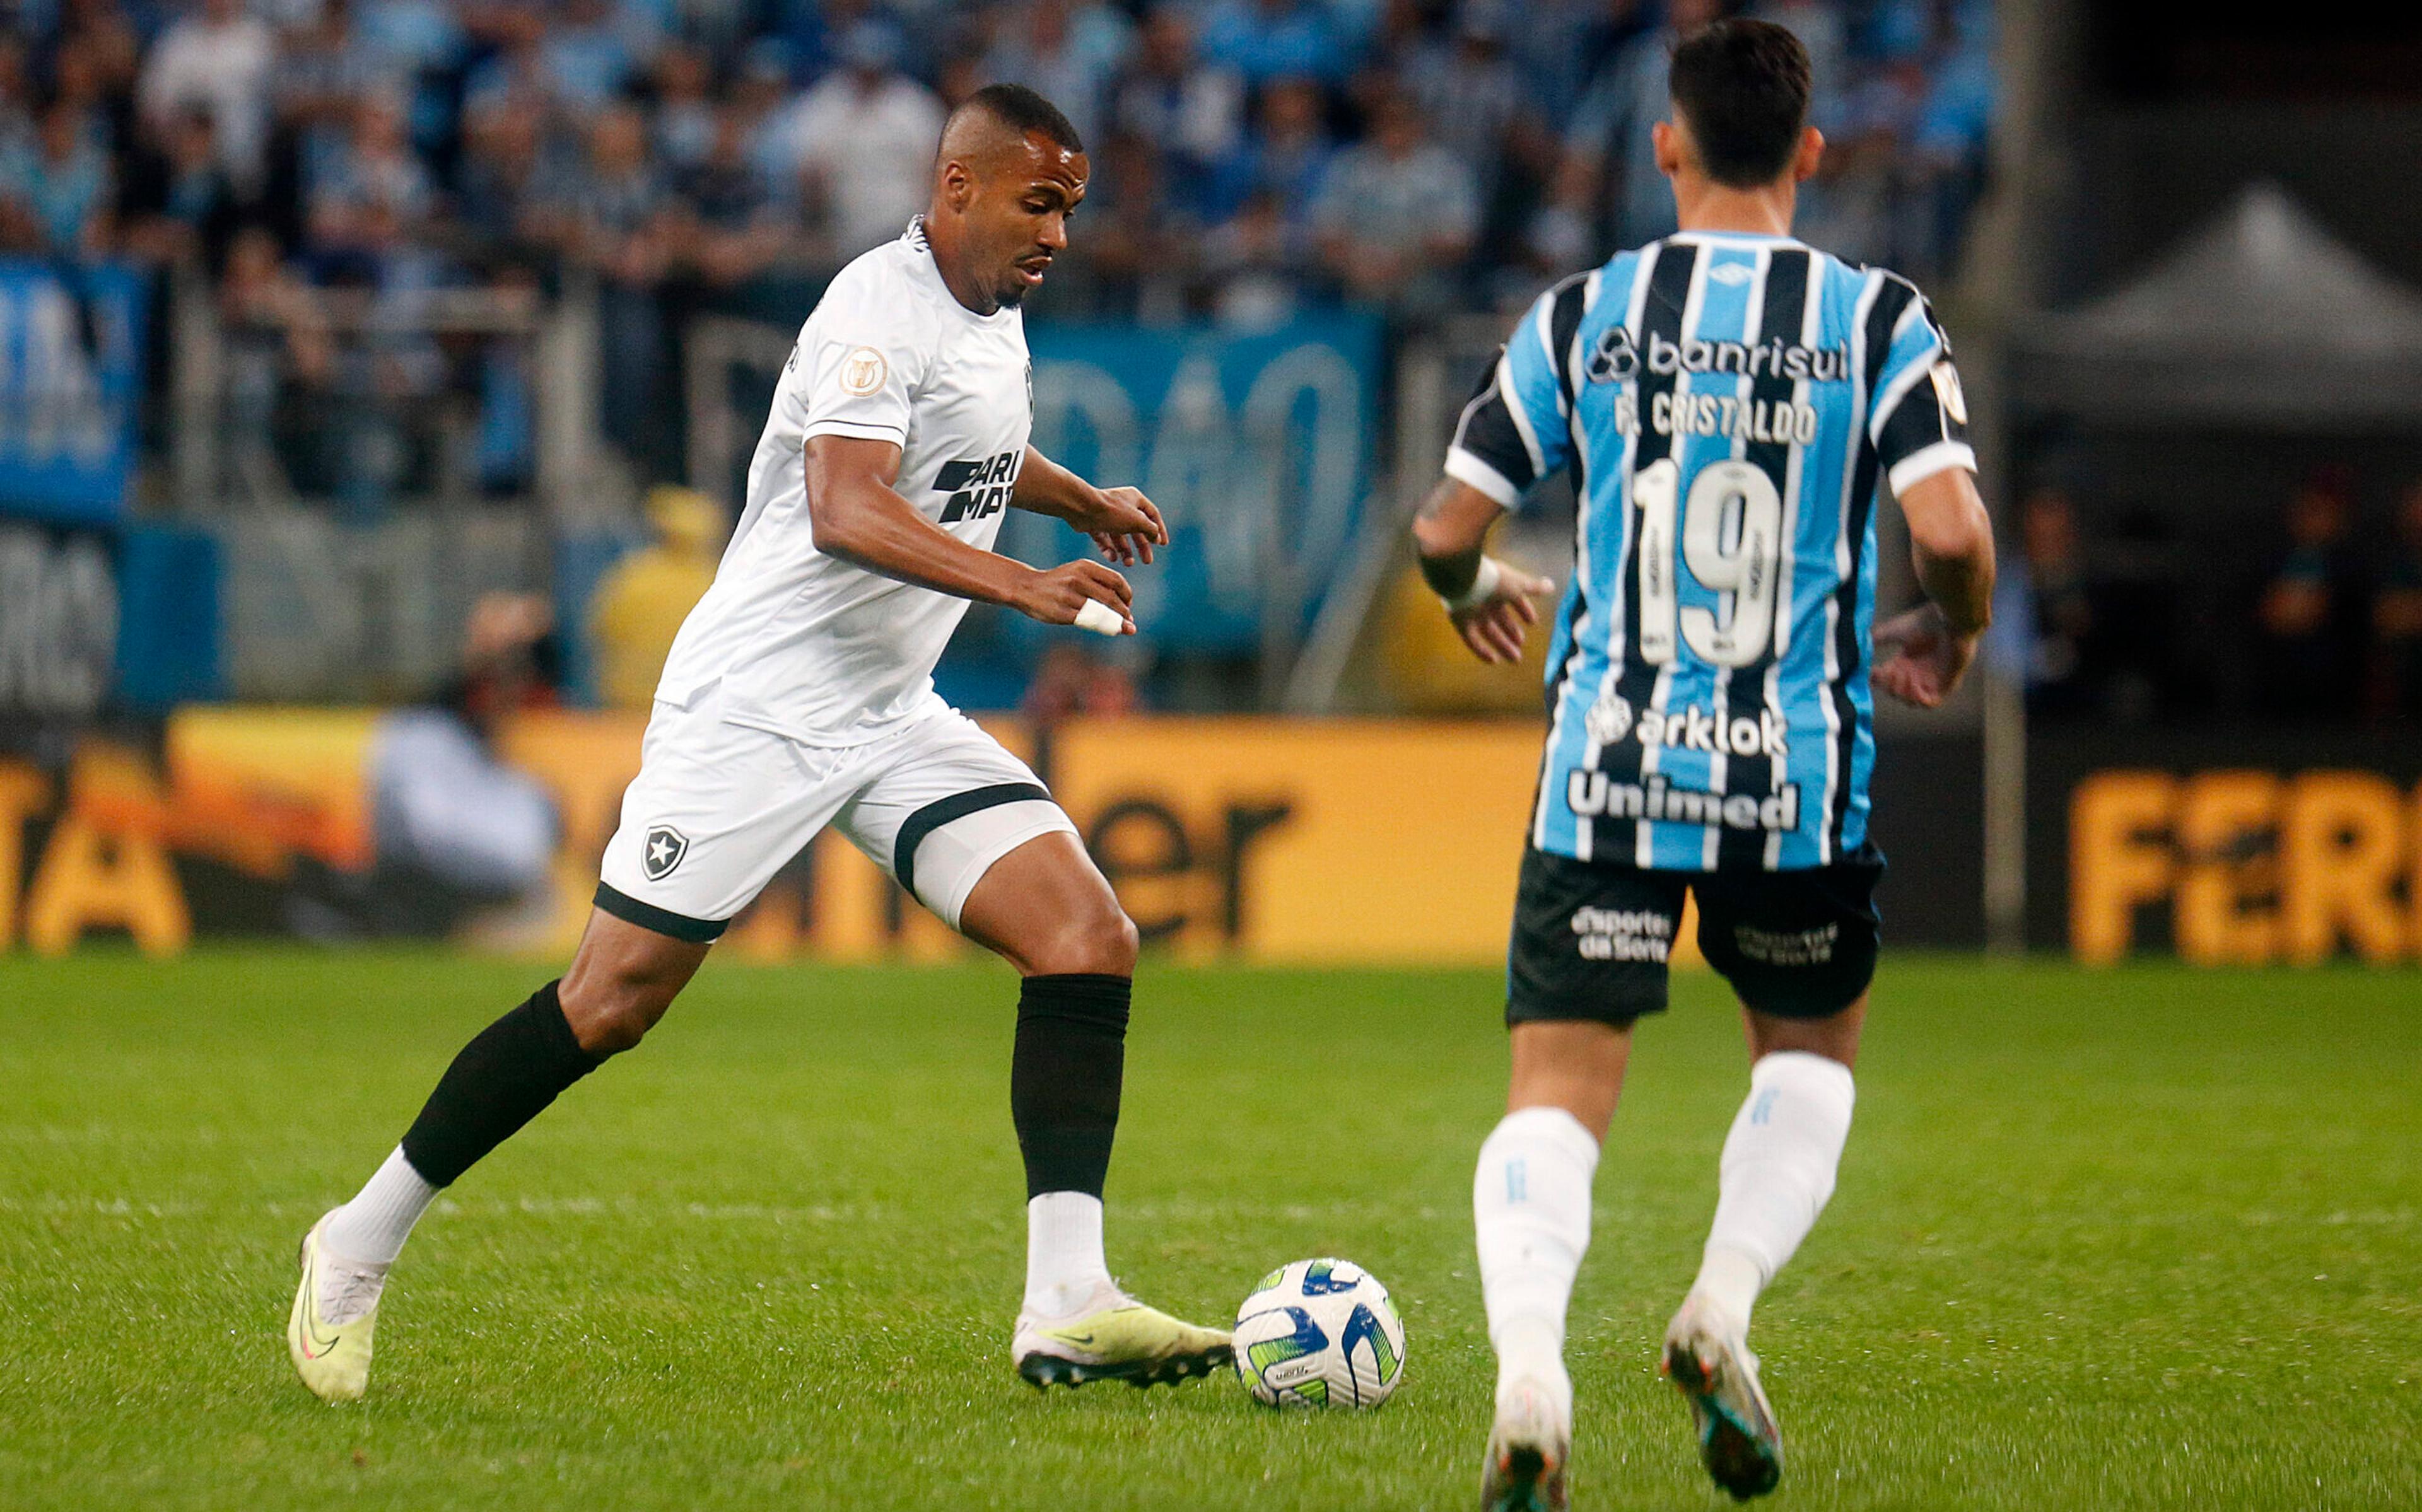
[[1022, 110], [1742, 88]]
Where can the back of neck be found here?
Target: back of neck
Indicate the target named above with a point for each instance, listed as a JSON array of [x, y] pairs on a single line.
[[1713, 206]]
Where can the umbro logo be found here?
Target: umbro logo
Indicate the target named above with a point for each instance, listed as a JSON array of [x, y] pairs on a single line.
[[663, 852], [1731, 274]]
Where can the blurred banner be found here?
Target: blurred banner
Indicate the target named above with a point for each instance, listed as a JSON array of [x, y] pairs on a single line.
[[70, 375], [1370, 842], [1277, 841], [58, 622], [2245, 848], [1284, 841], [1257, 448]]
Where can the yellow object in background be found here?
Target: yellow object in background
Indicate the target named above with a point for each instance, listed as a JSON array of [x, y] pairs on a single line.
[[1432, 671], [642, 599]]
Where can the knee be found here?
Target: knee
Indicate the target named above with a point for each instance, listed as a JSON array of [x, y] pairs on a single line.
[[1098, 940], [611, 1011]]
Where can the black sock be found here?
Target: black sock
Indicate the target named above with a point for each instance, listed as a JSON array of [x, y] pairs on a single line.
[[1063, 1077], [504, 1077]]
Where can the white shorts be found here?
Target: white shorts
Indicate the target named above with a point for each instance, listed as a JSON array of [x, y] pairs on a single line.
[[718, 808]]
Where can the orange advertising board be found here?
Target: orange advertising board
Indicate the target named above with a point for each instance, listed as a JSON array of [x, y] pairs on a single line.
[[1311, 842]]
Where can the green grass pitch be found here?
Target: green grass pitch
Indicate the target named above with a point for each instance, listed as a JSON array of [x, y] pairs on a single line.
[[2136, 1238]]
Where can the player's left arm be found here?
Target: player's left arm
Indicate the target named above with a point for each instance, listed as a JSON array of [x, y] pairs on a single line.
[[1125, 525], [1920, 431]]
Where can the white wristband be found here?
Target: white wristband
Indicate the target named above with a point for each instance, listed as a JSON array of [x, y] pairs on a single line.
[[1100, 619], [1483, 585]]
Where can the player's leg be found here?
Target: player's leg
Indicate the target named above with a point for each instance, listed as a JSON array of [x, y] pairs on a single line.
[[1800, 948], [1588, 958], [967, 828], [714, 812], [620, 981]]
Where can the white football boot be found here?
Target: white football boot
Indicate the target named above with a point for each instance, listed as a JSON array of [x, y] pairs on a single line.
[[1707, 1359], [1528, 1449], [333, 1357]]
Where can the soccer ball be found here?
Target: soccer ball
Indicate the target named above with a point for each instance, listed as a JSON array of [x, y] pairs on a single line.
[[1319, 1334]]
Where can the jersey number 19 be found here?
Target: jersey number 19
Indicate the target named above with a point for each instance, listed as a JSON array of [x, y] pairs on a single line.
[[1732, 542]]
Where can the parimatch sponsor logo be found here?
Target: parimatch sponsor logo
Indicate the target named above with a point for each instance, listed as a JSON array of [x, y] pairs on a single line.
[[1622, 934], [1593, 795], [977, 489]]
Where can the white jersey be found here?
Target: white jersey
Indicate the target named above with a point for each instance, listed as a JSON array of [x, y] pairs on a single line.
[[808, 645]]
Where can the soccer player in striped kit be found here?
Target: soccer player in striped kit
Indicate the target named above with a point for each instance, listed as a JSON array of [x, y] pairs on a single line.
[[1730, 403]]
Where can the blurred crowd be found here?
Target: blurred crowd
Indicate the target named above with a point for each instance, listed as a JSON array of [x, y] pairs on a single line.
[[1249, 156], [2109, 626]]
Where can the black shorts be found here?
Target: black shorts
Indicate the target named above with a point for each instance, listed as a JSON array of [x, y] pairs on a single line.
[[1590, 938]]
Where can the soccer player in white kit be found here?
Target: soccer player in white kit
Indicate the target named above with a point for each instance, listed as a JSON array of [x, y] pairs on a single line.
[[799, 696]]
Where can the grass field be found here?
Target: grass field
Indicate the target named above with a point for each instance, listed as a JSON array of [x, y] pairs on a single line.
[[2145, 1238]]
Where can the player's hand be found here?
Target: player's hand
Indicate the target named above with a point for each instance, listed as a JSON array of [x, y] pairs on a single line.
[[1918, 658], [1054, 596], [1496, 627], [1124, 525]]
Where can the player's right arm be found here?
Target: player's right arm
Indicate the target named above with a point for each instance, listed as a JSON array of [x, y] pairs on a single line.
[[1512, 433], [856, 514], [1449, 533]]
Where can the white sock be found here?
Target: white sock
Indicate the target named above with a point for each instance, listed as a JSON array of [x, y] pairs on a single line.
[[1778, 1169], [1531, 1209], [1065, 1268], [371, 1229]]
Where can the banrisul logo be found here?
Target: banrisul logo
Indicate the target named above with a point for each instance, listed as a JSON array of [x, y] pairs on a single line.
[[1618, 358]]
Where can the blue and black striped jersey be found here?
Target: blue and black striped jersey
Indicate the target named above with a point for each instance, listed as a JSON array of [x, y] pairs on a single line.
[[1729, 405]]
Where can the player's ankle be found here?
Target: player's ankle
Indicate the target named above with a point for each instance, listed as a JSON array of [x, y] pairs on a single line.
[[1532, 1351], [1729, 1281]]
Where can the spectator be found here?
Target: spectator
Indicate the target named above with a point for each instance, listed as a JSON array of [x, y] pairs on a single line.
[[685, 121], [1397, 215], [1468, 92], [2056, 608], [1067, 50], [456, 828], [178, 201], [623, 220], [217, 60], [862, 143], [502, 205], [735, 228], [1266, 39], [2397, 615], [1132, 256], [324, 74], [369, 198], [641, 600], [1609, 137], [1291, 160], [2309, 613], [54, 192], [1582, 37], [16, 95], [1252, 266], [586, 54], [1190, 112]]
